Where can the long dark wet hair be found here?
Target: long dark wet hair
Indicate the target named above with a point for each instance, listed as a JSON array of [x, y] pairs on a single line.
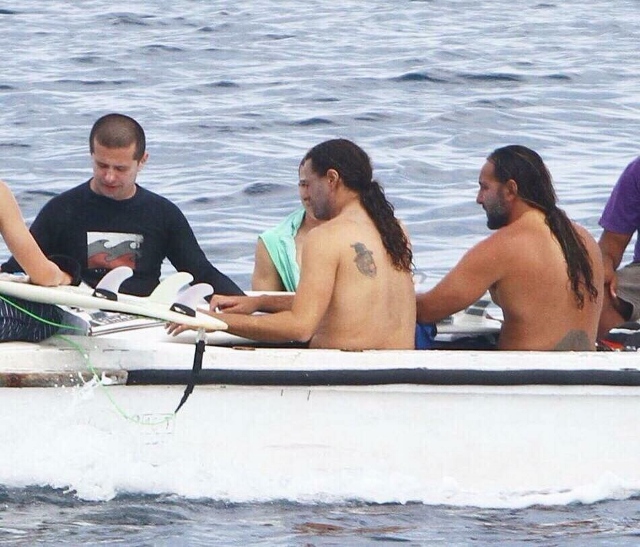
[[535, 186], [354, 167]]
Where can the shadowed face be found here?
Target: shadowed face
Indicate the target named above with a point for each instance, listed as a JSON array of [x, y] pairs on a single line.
[[491, 196], [316, 190], [303, 191], [115, 171]]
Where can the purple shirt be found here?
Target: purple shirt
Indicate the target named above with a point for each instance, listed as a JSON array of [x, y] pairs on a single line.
[[621, 215]]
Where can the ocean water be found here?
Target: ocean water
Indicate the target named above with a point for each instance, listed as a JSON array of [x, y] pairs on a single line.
[[231, 96]]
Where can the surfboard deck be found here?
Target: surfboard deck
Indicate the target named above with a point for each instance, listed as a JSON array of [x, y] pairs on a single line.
[[476, 319], [82, 297]]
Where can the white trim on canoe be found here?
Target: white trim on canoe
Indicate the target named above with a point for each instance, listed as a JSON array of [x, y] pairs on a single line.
[[150, 356]]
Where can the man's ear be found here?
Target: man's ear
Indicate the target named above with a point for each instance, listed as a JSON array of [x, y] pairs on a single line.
[[512, 188], [143, 160], [333, 177]]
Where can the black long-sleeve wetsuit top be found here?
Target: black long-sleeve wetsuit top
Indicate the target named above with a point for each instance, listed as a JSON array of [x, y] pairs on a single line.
[[102, 233]]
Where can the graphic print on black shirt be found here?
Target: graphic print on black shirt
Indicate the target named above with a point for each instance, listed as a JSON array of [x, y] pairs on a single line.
[[107, 250]]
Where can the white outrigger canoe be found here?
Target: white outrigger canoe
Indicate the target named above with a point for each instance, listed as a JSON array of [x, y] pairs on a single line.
[[315, 425]]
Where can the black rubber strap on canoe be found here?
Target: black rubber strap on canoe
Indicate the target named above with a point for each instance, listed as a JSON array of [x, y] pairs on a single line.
[[195, 371]]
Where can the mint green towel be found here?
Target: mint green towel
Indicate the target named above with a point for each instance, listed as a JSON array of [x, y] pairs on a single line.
[[282, 248]]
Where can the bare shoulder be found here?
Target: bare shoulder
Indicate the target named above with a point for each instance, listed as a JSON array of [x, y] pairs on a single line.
[[592, 246], [322, 243], [499, 252], [585, 234], [320, 233], [518, 235], [497, 244], [326, 234], [589, 242]]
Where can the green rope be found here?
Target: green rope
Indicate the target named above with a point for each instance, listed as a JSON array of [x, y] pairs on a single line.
[[135, 418], [37, 317]]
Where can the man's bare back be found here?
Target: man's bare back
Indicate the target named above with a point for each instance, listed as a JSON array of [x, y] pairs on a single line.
[[543, 271], [540, 310], [355, 290], [373, 304]]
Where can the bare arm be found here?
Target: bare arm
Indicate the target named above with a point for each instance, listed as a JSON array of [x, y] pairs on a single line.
[[612, 246], [24, 248], [265, 275], [320, 263], [476, 272], [318, 272], [249, 304]]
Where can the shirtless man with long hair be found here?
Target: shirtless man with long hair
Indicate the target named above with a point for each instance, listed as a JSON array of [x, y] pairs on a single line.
[[356, 289], [543, 270]]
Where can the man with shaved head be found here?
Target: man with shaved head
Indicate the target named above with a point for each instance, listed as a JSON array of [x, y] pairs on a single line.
[[111, 221]]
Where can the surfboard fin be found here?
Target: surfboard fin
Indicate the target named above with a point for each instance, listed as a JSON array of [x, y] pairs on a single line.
[[169, 288], [108, 286], [188, 300]]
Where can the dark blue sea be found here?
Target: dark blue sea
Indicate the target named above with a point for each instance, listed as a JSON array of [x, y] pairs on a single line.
[[231, 95]]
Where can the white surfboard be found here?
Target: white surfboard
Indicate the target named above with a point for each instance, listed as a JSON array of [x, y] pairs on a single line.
[[158, 305], [473, 320], [165, 293], [479, 318]]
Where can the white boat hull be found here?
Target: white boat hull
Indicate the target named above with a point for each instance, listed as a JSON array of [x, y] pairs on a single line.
[[391, 442]]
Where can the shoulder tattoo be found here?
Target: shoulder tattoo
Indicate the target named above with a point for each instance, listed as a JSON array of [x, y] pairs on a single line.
[[364, 260]]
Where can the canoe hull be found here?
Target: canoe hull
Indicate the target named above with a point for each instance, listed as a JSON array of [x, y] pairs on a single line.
[[481, 443]]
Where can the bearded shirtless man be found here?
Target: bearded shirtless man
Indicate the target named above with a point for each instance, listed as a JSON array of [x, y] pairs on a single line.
[[356, 289], [543, 270]]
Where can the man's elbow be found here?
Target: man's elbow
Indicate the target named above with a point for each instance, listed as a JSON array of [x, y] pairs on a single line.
[[423, 314], [302, 333]]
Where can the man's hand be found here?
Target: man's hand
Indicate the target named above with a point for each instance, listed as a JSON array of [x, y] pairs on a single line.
[[175, 328], [65, 278], [245, 305], [611, 282], [612, 246]]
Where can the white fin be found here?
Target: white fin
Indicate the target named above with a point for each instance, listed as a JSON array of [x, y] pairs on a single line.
[[188, 300], [109, 285], [166, 292]]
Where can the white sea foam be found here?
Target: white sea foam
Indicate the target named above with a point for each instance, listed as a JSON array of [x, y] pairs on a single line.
[[99, 446]]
